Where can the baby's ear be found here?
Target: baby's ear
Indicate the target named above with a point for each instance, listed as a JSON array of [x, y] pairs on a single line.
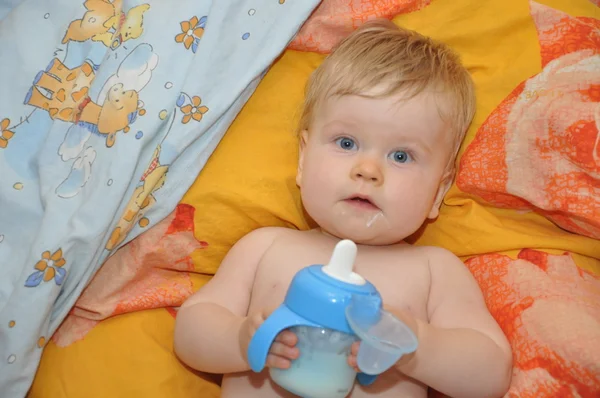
[[302, 145], [445, 185]]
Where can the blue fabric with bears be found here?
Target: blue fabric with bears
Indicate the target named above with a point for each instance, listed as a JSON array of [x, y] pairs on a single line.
[[108, 112]]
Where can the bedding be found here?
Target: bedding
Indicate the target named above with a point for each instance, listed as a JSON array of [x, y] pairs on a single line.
[[108, 112], [523, 214]]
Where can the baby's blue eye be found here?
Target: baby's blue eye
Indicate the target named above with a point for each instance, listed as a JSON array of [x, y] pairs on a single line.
[[346, 143], [401, 157]]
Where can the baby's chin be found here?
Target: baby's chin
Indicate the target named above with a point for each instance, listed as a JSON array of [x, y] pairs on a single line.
[[365, 235], [362, 227]]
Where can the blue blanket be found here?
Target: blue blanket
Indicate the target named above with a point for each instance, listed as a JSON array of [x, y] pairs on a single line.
[[108, 111]]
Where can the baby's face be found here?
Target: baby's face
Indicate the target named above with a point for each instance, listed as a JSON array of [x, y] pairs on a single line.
[[370, 169]]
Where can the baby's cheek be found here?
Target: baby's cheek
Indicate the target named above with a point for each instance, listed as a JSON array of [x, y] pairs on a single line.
[[318, 166], [407, 206]]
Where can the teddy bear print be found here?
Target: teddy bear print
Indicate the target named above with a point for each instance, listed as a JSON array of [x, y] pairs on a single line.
[[152, 180], [63, 93], [105, 22]]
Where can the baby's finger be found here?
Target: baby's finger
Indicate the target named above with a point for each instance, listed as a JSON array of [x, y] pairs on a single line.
[[354, 348], [284, 351], [275, 361], [288, 338], [352, 363]]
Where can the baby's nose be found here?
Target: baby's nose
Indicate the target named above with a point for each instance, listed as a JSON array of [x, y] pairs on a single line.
[[367, 170]]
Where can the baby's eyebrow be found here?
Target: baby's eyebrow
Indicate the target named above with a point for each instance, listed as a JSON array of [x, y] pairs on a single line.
[[414, 141], [130, 94], [338, 124]]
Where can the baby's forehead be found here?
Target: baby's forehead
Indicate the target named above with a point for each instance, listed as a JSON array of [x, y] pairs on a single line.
[[392, 116], [395, 108]]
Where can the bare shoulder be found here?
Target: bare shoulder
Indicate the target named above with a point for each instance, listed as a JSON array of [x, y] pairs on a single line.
[[456, 299], [443, 261], [259, 240], [237, 271], [453, 287], [435, 253], [245, 254], [264, 234], [263, 240]]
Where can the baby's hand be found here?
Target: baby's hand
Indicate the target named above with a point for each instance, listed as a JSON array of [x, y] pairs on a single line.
[[408, 319], [283, 349], [352, 361], [352, 357]]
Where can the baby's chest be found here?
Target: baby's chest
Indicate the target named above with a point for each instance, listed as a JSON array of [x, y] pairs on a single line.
[[271, 284], [401, 288]]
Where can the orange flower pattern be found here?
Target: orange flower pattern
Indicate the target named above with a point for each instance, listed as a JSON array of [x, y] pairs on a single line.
[[540, 149], [193, 110], [191, 33], [5, 133], [549, 310], [48, 268]]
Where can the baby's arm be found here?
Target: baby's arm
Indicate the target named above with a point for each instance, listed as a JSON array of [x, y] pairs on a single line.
[[462, 351], [207, 328]]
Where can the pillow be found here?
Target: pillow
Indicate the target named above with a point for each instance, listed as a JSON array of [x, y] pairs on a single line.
[[468, 224], [549, 310], [544, 134], [335, 19]]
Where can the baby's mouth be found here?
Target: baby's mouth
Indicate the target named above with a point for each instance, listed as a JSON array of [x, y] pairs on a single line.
[[362, 202]]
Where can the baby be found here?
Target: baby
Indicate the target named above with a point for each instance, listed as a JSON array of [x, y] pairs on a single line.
[[383, 120]]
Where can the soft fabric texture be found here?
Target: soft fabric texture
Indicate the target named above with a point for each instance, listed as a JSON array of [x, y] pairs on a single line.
[[550, 311], [147, 273], [109, 110], [528, 234]]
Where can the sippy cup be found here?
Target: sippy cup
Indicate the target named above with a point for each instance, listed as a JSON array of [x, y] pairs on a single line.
[[329, 307]]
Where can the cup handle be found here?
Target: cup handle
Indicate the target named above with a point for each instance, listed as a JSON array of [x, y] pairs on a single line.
[[365, 379], [258, 349]]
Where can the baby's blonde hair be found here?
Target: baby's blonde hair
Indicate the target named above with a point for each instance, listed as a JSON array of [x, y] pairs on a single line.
[[380, 55]]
